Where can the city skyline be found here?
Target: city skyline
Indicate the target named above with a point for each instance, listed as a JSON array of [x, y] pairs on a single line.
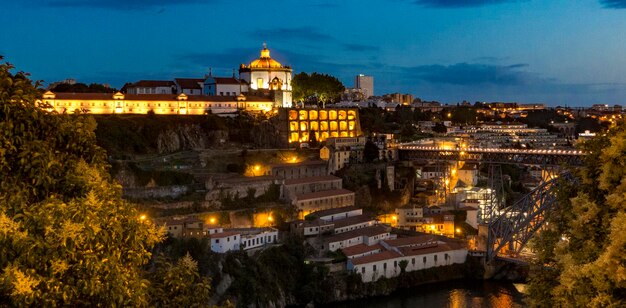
[[554, 52]]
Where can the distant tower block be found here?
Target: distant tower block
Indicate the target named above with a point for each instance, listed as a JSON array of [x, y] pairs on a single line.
[[365, 84]]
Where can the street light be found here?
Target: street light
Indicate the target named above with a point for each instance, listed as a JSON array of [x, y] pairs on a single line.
[[212, 220]]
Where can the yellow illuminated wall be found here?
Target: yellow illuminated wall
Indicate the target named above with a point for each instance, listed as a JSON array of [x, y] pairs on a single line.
[[323, 123], [116, 103]]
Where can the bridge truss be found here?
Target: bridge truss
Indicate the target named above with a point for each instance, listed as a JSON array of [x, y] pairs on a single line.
[[510, 228], [513, 227], [492, 155]]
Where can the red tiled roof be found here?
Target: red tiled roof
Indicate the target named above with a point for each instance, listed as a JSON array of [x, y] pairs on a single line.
[[416, 251], [367, 231], [336, 210], [324, 194], [385, 255], [152, 83], [189, 83], [344, 222], [313, 179], [409, 241], [226, 80], [225, 234], [360, 249]]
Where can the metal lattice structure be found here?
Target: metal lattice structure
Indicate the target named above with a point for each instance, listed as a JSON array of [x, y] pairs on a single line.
[[492, 155], [515, 225]]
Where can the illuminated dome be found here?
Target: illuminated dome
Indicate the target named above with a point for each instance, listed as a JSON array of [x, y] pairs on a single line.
[[265, 61]]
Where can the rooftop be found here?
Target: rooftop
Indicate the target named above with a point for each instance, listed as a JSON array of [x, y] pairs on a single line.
[[360, 249], [352, 221], [189, 83], [324, 194], [224, 234], [385, 255], [152, 83], [367, 231], [337, 210], [411, 241], [313, 179]]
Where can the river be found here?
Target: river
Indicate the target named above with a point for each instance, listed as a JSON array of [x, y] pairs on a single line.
[[457, 294]]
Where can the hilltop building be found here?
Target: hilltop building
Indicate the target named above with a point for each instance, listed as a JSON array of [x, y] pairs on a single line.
[[119, 103], [266, 76]]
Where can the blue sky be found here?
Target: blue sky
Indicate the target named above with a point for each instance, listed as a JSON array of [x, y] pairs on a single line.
[[559, 52]]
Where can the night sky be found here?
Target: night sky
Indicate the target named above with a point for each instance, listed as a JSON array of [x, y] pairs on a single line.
[[559, 52]]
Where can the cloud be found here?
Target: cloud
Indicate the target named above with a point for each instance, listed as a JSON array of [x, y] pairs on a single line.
[[471, 74], [120, 4], [458, 3], [288, 34], [613, 4]]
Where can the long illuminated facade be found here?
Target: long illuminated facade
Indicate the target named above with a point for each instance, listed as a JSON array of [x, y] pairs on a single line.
[[119, 103], [301, 124]]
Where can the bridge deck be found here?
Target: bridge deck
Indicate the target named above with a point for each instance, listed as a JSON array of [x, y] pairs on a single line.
[[493, 155]]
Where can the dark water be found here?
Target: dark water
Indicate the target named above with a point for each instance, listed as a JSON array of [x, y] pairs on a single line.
[[457, 294]]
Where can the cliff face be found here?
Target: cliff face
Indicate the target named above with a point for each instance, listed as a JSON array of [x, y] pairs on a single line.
[[130, 135], [188, 137]]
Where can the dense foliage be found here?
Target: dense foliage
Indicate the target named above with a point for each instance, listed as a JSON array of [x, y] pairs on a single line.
[[83, 88], [67, 238], [316, 88], [582, 252]]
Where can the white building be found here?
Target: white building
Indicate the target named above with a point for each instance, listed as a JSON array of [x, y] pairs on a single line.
[[248, 238], [151, 87], [259, 237], [368, 236], [225, 241], [338, 213], [418, 253], [266, 74], [365, 84], [189, 86], [224, 86]]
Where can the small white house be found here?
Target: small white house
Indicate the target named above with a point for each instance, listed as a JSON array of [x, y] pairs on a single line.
[[225, 241], [264, 237]]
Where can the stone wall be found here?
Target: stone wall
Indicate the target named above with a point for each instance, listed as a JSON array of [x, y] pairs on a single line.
[[174, 191]]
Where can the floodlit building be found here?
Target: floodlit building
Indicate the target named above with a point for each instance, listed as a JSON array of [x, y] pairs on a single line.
[[119, 103], [266, 75], [300, 125]]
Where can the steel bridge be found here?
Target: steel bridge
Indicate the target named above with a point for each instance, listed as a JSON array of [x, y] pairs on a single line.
[[512, 227], [509, 228], [492, 155]]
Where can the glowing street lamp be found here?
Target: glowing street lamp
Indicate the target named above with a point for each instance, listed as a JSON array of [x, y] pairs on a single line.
[[212, 220]]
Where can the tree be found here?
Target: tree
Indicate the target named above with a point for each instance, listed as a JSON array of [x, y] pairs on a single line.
[[440, 128], [370, 151], [316, 88], [179, 284], [83, 88], [66, 236], [581, 254]]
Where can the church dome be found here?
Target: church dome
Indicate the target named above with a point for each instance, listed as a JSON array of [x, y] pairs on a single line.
[[265, 61]]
